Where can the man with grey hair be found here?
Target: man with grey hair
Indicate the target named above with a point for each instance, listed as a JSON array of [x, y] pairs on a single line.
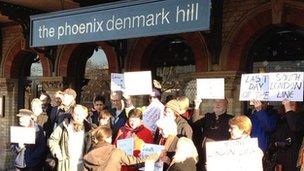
[[118, 111]]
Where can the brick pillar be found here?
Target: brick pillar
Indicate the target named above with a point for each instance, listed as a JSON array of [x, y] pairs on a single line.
[[8, 90]]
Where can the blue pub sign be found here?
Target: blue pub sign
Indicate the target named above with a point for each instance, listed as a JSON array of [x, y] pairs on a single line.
[[120, 20]]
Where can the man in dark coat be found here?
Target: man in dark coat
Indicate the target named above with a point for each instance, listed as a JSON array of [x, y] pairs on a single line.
[[211, 127], [118, 111]]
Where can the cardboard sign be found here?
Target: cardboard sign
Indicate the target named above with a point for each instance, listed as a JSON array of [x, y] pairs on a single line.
[[117, 82], [286, 85], [254, 87], [211, 88], [138, 83], [126, 145], [272, 86], [151, 149], [234, 155], [24, 135]]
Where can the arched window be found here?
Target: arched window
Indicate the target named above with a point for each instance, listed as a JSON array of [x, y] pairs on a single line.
[[97, 75]]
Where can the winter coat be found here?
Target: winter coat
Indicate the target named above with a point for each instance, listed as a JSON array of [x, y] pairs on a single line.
[[183, 128], [118, 121], [58, 143], [105, 157], [286, 140], [32, 155], [188, 165], [263, 124]]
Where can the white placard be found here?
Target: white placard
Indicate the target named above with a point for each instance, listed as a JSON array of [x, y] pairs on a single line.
[[211, 88], [126, 145], [117, 82], [24, 135], [234, 155], [151, 149], [153, 112], [272, 86], [286, 85], [254, 87], [138, 83]]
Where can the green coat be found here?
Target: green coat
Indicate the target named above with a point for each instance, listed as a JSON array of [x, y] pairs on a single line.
[[58, 143]]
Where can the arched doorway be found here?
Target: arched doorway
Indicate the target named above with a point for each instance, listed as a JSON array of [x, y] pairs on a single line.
[[98, 76], [86, 67], [278, 49]]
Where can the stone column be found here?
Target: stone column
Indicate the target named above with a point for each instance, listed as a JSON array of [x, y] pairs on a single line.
[[9, 92]]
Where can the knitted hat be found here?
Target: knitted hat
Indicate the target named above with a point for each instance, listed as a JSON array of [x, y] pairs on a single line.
[[174, 105]]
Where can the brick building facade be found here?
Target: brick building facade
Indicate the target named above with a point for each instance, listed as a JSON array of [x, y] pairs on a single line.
[[243, 21]]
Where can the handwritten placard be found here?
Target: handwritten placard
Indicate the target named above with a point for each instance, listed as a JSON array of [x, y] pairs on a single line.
[[21, 134], [138, 83], [153, 112], [285, 85], [211, 88], [272, 86], [117, 82], [254, 87], [234, 155], [126, 145], [149, 149]]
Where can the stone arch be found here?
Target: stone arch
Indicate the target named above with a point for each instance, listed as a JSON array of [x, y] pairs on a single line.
[[67, 51], [13, 59], [252, 25], [143, 46]]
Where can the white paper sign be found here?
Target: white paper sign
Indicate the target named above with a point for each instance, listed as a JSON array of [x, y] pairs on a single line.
[[126, 145], [153, 112], [24, 135], [138, 83], [211, 88], [254, 87], [272, 86], [284, 85], [151, 149], [234, 155], [117, 82]]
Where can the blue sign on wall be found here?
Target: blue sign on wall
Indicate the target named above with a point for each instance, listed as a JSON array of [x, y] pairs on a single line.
[[120, 21]]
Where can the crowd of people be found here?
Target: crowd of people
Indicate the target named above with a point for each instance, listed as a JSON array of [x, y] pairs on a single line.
[[71, 137]]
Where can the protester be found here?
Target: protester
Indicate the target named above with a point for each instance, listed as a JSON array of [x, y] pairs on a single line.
[[99, 103], [185, 157], [118, 112], [105, 156], [168, 131], [184, 104], [68, 102], [154, 111], [57, 108], [71, 140], [263, 123], [135, 129], [46, 102], [105, 118], [173, 111], [29, 156], [211, 127], [286, 139]]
